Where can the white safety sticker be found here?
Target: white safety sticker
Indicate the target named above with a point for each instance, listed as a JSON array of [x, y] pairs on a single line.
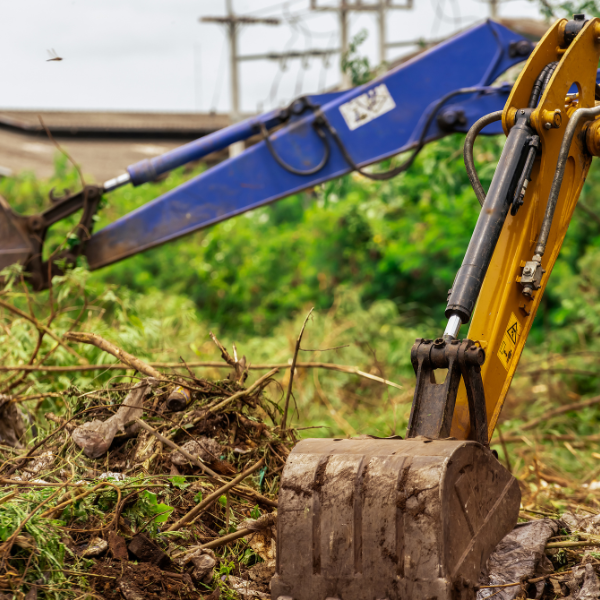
[[368, 106]]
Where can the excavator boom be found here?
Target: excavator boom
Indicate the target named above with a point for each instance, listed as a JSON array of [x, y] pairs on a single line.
[[415, 518], [515, 280], [316, 139]]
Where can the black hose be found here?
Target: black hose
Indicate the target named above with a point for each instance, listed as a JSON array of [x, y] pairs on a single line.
[[289, 168], [540, 84], [468, 152], [419, 146], [548, 76]]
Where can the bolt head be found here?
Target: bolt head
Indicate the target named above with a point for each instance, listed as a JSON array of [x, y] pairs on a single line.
[[557, 120], [547, 125]]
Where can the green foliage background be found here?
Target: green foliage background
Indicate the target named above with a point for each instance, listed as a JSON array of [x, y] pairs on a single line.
[[400, 241], [375, 259]]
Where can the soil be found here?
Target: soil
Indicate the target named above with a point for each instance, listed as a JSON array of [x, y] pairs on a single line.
[[151, 582]]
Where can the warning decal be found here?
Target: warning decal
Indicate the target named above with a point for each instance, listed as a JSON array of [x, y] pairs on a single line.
[[368, 106], [509, 340]]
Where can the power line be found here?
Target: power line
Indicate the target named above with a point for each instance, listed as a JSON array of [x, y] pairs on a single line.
[[272, 7], [233, 23], [345, 8], [219, 82], [290, 54]]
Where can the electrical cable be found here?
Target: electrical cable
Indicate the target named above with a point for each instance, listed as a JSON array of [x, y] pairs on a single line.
[[282, 67], [307, 44], [456, 11], [468, 152], [219, 82], [300, 78], [325, 64], [270, 7]]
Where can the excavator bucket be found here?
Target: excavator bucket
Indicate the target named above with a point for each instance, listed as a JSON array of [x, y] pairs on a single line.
[[375, 519], [394, 519]]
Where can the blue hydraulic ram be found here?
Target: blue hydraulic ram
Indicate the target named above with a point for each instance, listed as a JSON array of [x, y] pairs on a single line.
[[318, 138]]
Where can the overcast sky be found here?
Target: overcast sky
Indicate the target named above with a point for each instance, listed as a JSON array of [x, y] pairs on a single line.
[[156, 55]]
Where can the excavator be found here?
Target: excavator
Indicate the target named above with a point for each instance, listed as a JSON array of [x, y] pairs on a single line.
[[389, 518]]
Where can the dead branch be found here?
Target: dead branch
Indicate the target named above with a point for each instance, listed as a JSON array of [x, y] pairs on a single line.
[[192, 514], [292, 369], [550, 437], [100, 342], [174, 446], [239, 366], [351, 370], [236, 535], [240, 490], [62, 151], [242, 393], [45, 329], [559, 411], [66, 503]]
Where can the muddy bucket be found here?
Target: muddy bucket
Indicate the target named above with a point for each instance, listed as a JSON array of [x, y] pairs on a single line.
[[374, 519]]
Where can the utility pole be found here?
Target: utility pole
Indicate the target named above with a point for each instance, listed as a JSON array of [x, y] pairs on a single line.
[[382, 36], [346, 83], [494, 9], [345, 7], [233, 23]]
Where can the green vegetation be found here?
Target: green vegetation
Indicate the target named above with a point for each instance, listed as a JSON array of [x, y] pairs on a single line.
[[374, 259]]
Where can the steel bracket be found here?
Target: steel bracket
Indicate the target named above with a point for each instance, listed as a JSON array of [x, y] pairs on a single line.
[[433, 403], [24, 236]]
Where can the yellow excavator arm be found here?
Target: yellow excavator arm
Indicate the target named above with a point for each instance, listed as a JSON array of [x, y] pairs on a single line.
[[507, 304], [416, 519]]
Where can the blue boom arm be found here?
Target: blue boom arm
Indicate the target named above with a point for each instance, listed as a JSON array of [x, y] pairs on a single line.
[[318, 138], [442, 90]]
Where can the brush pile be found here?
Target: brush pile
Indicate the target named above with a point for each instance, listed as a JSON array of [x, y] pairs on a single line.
[[159, 487], [157, 484]]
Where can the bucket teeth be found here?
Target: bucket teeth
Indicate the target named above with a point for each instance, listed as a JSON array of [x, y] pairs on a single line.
[[389, 519]]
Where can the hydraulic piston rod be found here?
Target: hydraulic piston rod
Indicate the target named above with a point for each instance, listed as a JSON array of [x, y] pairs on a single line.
[[469, 278]]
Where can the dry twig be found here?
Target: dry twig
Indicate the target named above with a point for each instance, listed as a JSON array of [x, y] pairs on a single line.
[[559, 411], [292, 369], [45, 329], [351, 370], [243, 393], [100, 342], [192, 514]]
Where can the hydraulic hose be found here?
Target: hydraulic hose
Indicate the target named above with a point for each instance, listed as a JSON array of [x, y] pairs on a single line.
[[468, 152], [540, 84], [579, 115], [420, 143]]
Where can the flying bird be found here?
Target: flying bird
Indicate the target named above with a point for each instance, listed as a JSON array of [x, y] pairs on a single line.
[[53, 55]]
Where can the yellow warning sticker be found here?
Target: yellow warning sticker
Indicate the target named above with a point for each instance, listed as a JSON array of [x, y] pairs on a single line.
[[512, 333]]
